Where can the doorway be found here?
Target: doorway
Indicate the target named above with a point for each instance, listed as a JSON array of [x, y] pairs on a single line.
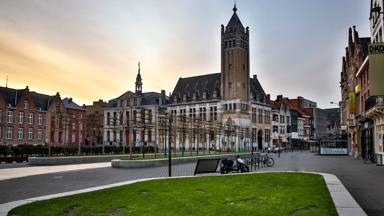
[[260, 140]]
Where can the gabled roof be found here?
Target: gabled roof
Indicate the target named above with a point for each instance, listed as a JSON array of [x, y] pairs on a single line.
[[69, 104], [256, 89], [10, 95], [41, 101], [209, 83], [112, 103], [150, 98], [189, 85]]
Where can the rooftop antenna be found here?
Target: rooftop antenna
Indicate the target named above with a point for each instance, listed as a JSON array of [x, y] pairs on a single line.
[[6, 82]]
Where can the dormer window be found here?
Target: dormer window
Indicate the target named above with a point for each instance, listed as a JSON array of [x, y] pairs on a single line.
[[185, 97], [26, 105], [204, 95], [194, 96], [214, 95]]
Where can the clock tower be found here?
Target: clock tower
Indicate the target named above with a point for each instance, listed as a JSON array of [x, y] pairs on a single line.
[[235, 60]]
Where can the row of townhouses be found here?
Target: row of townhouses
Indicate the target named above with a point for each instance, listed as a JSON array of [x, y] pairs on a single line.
[[28, 117], [362, 88], [220, 111]]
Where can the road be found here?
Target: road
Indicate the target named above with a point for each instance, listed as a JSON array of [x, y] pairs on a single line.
[[363, 181]]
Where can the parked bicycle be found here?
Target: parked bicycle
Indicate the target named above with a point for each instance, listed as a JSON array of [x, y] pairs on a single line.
[[267, 160]]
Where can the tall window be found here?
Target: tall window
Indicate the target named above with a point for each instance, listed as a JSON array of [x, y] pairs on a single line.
[[282, 119], [40, 119], [9, 132], [267, 117], [253, 115], [21, 117], [30, 133], [260, 116], [10, 117], [108, 136], [73, 138], [30, 118], [288, 120], [20, 133], [267, 137], [108, 118], [39, 134], [275, 117], [26, 105]]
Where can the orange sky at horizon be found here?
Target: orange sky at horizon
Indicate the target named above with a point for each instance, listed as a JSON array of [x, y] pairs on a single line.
[[89, 49]]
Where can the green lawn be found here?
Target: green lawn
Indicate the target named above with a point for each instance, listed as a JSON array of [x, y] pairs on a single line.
[[254, 194]]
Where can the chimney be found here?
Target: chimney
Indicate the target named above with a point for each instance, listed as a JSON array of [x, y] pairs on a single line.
[[162, 98], [254, 76], [300, 102], [279, 97], [268, 97], [70, 100]]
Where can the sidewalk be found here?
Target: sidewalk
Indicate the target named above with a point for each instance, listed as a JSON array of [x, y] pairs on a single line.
[[10, 173]]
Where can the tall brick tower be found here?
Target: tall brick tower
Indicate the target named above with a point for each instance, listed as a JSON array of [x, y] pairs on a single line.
[[235, 60]]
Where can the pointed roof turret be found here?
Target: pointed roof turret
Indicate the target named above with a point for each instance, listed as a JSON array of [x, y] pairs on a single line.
[[138, 77], [139, 83], [235, 22]]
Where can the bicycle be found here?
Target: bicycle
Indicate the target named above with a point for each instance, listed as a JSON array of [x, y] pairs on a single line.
[[267, 160]]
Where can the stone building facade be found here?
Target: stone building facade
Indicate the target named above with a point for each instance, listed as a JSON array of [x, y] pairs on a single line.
[[227, 110], [374, 104], [131, 120], [355, 54]]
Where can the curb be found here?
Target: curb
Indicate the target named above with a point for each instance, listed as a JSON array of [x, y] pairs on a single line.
[[345, 204]]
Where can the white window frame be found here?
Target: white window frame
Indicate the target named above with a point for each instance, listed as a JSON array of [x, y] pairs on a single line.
[[40, 119], [30, 133], [10, 117], [39, 134], [30, 118], [26, 105], [9, 133], [21, 117], [20, 133]]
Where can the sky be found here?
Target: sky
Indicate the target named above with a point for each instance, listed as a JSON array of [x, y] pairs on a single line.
[[89, 49]]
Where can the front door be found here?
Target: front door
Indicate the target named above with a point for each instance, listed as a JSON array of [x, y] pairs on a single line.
[[260, 140]]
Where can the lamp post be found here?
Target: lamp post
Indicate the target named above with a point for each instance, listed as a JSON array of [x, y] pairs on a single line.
[[169, 146]]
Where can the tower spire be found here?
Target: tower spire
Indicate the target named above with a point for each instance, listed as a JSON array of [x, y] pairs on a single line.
[[234, 7], [138, 67], [138, 83]]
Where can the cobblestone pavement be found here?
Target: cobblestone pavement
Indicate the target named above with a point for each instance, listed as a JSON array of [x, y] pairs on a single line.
[[363, 181]]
